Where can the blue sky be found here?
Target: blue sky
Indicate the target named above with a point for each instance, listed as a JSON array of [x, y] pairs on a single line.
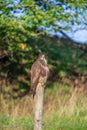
[[77, 32], [79, 36]]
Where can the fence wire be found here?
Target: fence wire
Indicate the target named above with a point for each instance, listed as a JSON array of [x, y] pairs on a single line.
[[31, 125]]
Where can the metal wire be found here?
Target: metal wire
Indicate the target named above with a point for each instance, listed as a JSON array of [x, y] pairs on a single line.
[[30, 125]]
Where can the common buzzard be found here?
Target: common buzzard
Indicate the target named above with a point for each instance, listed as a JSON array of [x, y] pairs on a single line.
[[39, 72]]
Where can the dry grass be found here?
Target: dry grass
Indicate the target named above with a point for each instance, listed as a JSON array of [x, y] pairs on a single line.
[[19, 108], [61, 103]]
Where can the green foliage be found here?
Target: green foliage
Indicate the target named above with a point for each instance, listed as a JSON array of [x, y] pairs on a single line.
[[21, 38], [19, 29], [14, 30]]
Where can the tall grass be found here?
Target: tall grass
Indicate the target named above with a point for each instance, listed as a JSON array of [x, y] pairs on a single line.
[[64, 109]]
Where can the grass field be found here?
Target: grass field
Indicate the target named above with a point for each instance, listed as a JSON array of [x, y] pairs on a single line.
[[64, 109]]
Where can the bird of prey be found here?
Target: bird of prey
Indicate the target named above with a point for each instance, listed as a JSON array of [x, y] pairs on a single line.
[[39, 72]]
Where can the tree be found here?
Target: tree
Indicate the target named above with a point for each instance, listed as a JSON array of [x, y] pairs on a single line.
[[24, 23], [25, 19]]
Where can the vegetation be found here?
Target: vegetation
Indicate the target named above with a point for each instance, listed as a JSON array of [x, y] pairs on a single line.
[[63, 109], [64, 106], [23, 34]]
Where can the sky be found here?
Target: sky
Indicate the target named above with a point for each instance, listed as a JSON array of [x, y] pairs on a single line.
[[79, 36], [77, 32]]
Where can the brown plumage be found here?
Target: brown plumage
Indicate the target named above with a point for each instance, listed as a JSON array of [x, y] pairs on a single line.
[[39, 72]]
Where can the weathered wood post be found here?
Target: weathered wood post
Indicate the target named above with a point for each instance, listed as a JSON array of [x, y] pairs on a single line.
[[38, 107]]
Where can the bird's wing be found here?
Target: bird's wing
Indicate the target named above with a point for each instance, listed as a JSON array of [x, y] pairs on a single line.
[[35, 74]]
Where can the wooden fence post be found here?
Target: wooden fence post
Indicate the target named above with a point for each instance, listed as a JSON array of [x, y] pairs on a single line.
[[38, 107]]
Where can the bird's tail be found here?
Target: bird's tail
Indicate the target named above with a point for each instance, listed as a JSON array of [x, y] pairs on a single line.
[[33, 92]]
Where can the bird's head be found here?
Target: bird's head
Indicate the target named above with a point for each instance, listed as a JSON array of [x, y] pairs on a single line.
[[42, 57]]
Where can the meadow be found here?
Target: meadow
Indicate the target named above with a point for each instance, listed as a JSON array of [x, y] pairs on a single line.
[[65, 108]]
